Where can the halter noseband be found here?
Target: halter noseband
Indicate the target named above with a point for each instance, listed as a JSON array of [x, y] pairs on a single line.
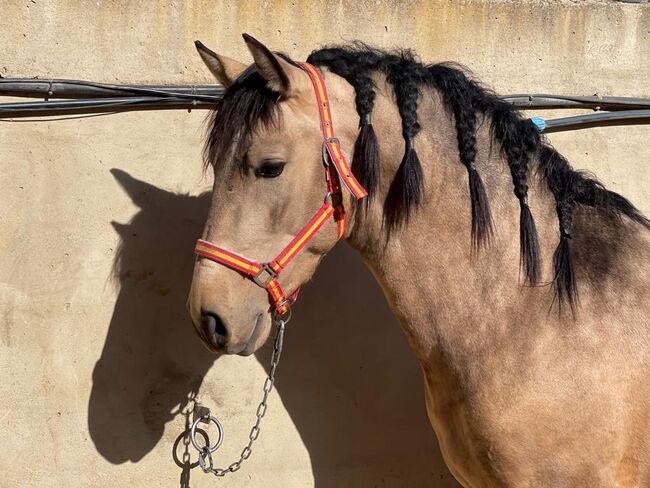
[[265, 275]]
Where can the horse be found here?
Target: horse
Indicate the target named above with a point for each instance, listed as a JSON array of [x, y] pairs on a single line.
[[534, 345]]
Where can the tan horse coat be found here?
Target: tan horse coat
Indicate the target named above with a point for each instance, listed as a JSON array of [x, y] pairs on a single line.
[[518, 393]]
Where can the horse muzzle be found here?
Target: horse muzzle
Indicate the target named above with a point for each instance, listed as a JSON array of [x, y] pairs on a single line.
[[218, 335]]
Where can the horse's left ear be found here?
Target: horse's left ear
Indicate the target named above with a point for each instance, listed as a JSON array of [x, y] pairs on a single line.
[[224, 69], [281, 76]]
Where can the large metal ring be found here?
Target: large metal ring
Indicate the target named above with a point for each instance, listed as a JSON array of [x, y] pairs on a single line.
[[206, 418]]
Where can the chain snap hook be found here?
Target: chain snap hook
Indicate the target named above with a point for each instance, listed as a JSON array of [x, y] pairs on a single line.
[[203, 455]]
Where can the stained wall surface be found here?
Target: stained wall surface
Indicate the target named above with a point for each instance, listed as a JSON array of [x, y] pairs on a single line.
[[98, 217]]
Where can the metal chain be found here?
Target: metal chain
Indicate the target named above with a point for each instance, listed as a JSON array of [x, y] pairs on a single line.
[[205, 456]]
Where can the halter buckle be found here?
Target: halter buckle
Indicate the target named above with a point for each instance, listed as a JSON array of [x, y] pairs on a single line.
[[258, 279], [326, 151], [334, 199], [326, 156]]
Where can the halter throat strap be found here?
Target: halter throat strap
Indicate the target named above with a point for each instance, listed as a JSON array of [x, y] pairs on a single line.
[[265, 275]]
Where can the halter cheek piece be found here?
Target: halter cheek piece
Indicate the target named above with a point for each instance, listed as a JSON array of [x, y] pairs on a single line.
[[265, 275]]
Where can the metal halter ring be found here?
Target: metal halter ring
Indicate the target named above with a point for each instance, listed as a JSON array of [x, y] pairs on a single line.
[[285, 316], [206, 418]]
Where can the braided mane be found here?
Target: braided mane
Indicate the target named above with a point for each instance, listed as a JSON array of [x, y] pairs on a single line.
[[520, 141], [248, 101]]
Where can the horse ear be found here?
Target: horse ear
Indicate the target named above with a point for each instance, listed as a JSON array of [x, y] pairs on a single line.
[[224, 69], [281, 76]]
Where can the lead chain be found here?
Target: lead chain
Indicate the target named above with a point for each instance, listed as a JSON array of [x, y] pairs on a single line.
[[205, 456]]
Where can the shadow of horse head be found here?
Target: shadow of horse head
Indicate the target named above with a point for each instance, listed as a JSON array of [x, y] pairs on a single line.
[[152, 363]]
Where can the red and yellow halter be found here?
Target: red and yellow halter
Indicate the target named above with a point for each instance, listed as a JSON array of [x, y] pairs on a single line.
[[265, 275]]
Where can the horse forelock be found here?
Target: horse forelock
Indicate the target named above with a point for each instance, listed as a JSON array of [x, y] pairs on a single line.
[[247, 105]]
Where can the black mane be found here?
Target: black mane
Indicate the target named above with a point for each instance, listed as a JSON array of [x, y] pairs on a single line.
[[248, 102]]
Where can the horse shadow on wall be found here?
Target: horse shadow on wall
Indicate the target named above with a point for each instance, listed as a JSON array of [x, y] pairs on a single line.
[[347, 378]]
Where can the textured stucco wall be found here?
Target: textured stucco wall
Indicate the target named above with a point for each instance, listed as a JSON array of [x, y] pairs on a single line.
[[98, 217]]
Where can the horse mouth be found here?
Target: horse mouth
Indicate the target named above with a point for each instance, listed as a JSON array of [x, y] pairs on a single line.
[[249, 347]]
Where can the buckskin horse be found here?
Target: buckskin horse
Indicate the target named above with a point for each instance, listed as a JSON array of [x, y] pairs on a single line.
[[534, 345]]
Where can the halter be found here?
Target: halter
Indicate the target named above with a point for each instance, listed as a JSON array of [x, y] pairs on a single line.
[[265, 275]]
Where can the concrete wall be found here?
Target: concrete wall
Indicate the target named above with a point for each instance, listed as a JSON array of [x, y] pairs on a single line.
[[98, 218]]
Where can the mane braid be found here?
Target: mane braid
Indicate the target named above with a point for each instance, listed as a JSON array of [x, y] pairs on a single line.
[[459, 96], [405, 191], [248, 104], [571, 188], [519, 139]]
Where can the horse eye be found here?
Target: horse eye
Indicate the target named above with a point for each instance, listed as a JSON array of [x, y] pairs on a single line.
[[270, 169]]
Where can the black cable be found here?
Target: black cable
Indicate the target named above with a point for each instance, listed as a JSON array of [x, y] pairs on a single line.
[[543, 101], [172, 98], [56, 119], [63, 107], [62, 88], [17, 87], [629, 117]]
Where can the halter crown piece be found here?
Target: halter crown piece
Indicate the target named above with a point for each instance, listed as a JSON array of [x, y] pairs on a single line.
[[265, 275]]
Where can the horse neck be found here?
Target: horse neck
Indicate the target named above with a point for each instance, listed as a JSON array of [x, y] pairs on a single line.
[[434, 282]]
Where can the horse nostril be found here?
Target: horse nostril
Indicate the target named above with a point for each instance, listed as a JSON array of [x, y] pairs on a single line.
[[215, 328]]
